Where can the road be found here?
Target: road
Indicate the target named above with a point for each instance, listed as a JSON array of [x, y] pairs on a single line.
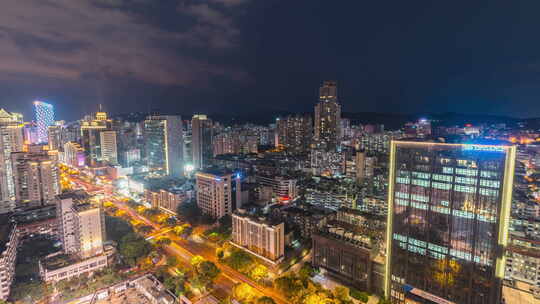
[[184, 249]]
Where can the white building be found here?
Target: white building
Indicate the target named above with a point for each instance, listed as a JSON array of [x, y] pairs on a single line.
[[11, 140], [109, 152], [36, 177], [259, 236], [73, 155], [218, 193], [8, 255], [81, 227]]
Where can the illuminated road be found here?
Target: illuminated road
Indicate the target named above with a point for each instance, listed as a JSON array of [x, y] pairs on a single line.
[[184, 250]]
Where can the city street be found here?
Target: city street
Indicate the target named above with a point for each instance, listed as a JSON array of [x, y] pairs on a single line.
[[184, 249]]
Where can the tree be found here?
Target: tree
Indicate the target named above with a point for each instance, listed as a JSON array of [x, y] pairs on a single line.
[[133, 247], [239, 260], [172, 261], [244, 293], [208, 270], [225, 222], [265, 300], [189, 212], [306, 272], [290, 286], [259, 272], [342, 293], [196, 260]]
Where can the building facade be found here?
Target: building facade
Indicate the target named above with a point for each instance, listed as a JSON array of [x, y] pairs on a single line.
[[328, 116], [218, 193], [36, 177], [164, 144], [109, 148], [11, 140], [8, 255], [44, 116], [201, 140], [259, 236], [448, 218]]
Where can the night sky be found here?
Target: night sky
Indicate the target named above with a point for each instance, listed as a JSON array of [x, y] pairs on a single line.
[[250, 56]]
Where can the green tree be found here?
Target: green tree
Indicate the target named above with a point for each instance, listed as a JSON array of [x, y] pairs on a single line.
[[189, 212], [239, 260], [265, 300], [306, 271], [342, 294], [133, 247], [290, 286], [208, 271], [172, 261]]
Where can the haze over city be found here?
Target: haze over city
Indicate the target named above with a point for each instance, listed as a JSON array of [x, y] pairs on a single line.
[[269, 152]]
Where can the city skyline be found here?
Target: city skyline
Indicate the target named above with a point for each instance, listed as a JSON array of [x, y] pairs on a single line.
[[217, 55]]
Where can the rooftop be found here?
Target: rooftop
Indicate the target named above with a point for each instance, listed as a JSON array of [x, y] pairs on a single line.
[[58, 261], [259, 219], [77, 195], [216, 172], [84, 207]]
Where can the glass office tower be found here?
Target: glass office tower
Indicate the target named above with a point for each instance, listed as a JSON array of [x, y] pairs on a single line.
[[449, 207], [44, 115]]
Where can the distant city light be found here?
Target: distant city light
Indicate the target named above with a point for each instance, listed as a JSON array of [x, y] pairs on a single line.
[[189, 168]]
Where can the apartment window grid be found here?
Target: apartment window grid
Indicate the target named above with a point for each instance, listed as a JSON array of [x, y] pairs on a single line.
[[447, 246]]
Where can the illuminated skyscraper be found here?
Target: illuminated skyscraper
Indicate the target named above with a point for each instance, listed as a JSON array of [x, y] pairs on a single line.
[[11, 140], [201, 140], [295, 132], [44, 115], [109, 150], [164, 144], [36, 178], [448, 218], [328, 116]]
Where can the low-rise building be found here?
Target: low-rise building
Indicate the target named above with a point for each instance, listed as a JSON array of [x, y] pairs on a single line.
[[60, 266], [167, 201], [38, 220], [260, 236], [304, 221], [153, 290]]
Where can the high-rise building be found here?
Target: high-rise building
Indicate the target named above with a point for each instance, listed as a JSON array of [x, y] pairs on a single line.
[[36, 178], [448, 219], [44, 116], [295, 132], [56, 134], [81, 226], [11, 140], [91, 129], [8, 254], [262, 237], [201, 140], [109, 152], [164, 144], [328, 116], [73, 155], [218, 192]]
